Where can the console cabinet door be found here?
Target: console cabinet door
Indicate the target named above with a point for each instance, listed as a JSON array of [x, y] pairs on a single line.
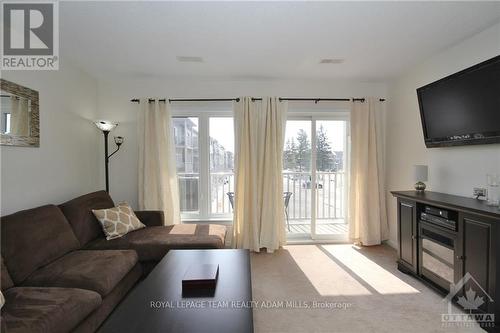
[[407, 234], [478, 254]]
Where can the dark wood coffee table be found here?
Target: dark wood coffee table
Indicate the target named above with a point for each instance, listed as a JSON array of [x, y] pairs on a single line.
[[157, 305]]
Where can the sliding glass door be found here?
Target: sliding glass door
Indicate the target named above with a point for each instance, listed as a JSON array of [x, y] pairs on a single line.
[[315, 162]]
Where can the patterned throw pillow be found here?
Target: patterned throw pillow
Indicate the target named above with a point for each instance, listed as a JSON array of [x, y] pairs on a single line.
[[116, 222]]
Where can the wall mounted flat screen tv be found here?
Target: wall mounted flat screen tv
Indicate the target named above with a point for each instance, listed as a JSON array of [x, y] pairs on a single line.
[[463, 108]]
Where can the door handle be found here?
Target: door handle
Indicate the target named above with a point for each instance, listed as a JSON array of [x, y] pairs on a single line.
[[460, 257]]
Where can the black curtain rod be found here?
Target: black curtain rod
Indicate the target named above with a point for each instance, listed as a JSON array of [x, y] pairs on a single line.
[[316, 100], [136, 100]]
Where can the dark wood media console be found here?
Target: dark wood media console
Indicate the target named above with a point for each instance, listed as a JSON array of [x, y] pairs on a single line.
[[440, 253]]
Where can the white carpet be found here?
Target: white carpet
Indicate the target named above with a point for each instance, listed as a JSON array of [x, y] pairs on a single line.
[[372, 294]]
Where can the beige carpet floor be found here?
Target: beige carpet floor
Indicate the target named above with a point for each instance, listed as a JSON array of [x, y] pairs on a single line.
[[361, 287]]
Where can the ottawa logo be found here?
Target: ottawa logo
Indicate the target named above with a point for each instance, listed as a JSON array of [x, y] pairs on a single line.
[[473, 300]]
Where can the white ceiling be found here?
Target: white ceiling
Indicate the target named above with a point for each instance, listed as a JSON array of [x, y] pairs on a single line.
[[264, 40]]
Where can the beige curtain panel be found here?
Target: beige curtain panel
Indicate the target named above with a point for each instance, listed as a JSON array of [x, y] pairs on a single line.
[[258, 204], [367, 208], [158, 187]]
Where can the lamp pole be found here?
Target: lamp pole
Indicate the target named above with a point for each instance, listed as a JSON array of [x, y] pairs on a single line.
[[106, 127], [106, 159]]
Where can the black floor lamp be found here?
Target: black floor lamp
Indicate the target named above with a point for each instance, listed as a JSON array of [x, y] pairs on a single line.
[[106, 127]]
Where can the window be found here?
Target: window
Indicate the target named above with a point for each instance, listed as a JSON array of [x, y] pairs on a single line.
[[204, 146]]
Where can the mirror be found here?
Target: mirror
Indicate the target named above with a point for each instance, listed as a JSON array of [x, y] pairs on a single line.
[[19, 116]]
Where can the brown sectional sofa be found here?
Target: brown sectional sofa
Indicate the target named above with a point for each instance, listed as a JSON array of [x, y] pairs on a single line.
[[60, 274]]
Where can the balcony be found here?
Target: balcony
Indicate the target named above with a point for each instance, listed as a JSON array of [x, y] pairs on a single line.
[[220, 184], [330, 205]]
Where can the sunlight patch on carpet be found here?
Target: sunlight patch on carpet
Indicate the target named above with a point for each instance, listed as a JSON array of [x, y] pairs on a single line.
[[326, 276], [369, 273]]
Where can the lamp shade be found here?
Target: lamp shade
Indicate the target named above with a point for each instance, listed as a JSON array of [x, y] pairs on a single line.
[[119, 140], [420, 173], [105, 125]]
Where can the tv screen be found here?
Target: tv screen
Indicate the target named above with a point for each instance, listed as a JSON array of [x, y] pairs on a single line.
[[463, 108]]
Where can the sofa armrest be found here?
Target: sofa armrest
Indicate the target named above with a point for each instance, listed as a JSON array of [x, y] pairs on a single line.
[[150, 218]]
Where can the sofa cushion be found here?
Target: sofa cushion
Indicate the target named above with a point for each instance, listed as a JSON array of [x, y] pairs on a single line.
[[47, 309], [152, 243], [118, 221], [150, 217], [6, 281], [33, 238], [79, 214], [99, 271], [96, 318]]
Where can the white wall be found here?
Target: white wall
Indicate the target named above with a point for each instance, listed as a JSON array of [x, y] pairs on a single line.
[[114, 96], [453, 170], [65, 165]]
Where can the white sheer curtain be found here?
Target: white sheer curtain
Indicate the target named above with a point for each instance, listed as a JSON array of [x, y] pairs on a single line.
[[367, 209], [259, 208], [158, 187]]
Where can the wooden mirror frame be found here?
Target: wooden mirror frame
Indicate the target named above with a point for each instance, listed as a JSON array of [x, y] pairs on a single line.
[[18, 140]]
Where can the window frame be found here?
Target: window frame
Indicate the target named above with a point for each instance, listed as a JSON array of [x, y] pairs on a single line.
[[204, 112]]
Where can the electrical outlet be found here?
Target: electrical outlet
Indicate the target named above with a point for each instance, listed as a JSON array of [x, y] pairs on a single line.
[[479, 192]]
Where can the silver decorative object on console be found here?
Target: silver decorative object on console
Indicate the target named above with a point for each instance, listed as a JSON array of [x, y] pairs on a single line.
[[420, 174]]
